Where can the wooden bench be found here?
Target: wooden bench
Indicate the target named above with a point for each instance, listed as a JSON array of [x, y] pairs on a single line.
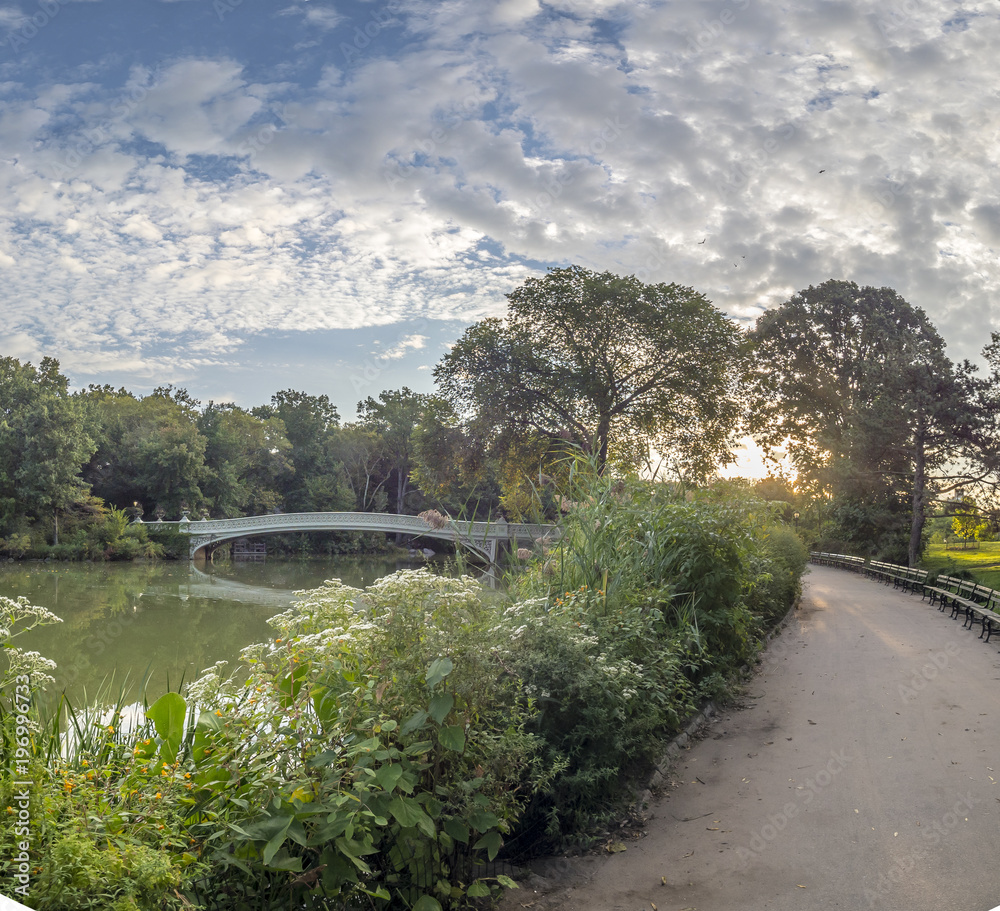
[[988, 615]]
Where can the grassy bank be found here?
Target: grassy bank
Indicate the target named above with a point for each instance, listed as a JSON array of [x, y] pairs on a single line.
[[981, 562]]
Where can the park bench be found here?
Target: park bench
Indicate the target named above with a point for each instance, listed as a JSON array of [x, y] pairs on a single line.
[[967, 594], [988, 614], [904, 577], [941, 591]]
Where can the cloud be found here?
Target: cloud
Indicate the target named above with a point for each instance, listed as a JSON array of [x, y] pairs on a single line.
[[411, 342], [202, 199]]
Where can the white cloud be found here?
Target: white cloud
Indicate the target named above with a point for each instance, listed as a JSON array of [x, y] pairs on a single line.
[[471, 144], [410, 343]]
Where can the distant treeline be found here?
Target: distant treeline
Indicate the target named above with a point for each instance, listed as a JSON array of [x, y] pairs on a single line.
[[851, 385]]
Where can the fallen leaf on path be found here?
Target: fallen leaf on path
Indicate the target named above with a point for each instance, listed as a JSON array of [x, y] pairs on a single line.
[[615, 847]]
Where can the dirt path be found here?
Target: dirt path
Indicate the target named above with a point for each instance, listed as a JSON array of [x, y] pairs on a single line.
[[861, 772]]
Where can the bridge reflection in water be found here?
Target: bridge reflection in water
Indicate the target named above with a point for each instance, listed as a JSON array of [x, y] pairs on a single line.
[[482, 538]]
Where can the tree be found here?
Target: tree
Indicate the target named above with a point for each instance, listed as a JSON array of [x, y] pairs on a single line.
[[450, 467], [149, 451], [876, 418], [968, 523], [311, 424], [608, 364], [43, 444], [394, 418], [247, 458]]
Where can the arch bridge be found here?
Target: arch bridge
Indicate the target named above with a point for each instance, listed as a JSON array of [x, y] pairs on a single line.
[[482, 538]]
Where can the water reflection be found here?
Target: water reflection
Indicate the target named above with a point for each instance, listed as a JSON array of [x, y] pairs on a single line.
[[166, 621]]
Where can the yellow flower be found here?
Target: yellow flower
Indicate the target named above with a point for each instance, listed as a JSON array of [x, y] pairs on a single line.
[[84, 763], [158, 795], [10, 809], [111, 730], [217, 712]]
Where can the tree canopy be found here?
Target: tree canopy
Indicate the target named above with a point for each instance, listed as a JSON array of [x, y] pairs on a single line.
[[876, 418], [607, 363]]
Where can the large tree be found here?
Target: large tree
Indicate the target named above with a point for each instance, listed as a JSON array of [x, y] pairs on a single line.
[[855, 382], [393, 418], [43, 444], [607, 363]]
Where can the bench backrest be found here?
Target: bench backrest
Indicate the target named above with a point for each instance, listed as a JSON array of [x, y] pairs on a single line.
[[949, 582]]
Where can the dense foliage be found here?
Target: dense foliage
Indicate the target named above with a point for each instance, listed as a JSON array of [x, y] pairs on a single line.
[[389, 745], [880, 426], [609, 364]]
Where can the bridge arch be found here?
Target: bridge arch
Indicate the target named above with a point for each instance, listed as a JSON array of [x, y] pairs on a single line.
[[483, 538]]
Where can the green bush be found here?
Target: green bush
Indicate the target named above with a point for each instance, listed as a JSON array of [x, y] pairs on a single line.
[[390, 742], [650, 603]]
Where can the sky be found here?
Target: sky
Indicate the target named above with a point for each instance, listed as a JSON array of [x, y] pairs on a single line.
[[238, 197]]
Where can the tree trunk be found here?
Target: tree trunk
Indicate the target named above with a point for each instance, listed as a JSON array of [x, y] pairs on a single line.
[[55, 535], [919, 488], [603, 432]]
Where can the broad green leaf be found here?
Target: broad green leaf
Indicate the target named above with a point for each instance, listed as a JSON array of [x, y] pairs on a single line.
[[427, 903], [276, 840], [167, 715], [440, 706], [326, 704], [290, 685], [482, 820], [388, 775], [492, 842], [452, 738], [478, 890], [438, 669], [408, 813], [414, 723], [507, 882], [457, 829]]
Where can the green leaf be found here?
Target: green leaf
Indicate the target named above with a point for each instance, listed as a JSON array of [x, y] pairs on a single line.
[[452, 738], [507, 882], [414, 723], [326, 704], [276, 840], [418, 749], [347, 850], [408, 813], [388, 775], [492, 842], [483, 820], [438, 669], [427, 903], [167, 715], [456, 829], [440, 706], [290, 685], [478, 890]]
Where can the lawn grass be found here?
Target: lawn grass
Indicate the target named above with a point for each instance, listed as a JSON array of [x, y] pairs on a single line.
[[981, 561]]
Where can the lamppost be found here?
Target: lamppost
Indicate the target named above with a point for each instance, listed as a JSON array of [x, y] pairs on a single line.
[[795, 522]]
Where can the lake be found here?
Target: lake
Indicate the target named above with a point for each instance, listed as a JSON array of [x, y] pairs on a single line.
[[164, 621]]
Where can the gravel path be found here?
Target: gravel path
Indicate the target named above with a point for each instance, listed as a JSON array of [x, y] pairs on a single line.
[[861, 771]]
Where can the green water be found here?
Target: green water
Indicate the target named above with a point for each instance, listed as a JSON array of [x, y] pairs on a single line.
[[162, 622]]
